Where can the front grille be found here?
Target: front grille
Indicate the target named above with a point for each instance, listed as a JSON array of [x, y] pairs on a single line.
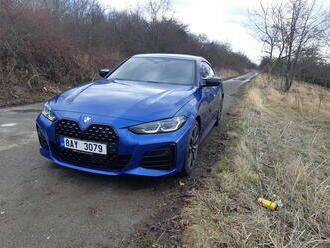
[[96, 133], [42, 140], [160, 158]]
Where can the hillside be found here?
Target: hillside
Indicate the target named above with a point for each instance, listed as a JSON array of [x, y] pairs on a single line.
[[48, 46]]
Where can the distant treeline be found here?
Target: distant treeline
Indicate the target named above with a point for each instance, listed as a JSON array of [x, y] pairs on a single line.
[[67, 41], [309, 69]]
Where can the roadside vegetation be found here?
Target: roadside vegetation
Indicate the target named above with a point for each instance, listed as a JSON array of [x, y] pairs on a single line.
[[47, 46], [277, 147], [295, 37], [226, 74]]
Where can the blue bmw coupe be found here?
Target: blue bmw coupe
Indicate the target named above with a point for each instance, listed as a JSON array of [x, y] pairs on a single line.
[[145, 117]]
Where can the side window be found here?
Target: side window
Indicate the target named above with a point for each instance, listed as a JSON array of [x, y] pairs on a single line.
[[206, 70]]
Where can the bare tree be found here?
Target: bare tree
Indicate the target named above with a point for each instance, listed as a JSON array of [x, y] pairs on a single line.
[[158, 9], [288, 30], [157, 12], [267, 24]]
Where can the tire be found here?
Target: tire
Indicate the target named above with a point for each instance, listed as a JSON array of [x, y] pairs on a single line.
[[219, 114], [192, 150]]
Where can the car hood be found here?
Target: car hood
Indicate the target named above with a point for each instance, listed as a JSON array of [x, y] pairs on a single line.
[[138, 101]]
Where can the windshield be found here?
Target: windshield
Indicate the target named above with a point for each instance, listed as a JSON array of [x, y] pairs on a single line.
[[158, 70]]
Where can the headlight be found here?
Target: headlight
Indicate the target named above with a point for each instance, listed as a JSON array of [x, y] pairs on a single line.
[[48, 113], [162, 126]]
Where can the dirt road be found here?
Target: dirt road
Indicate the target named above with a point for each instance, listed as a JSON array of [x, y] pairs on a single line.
[[44, 205]]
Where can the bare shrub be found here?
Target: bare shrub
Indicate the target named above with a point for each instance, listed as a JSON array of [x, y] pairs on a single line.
[[64, 42]]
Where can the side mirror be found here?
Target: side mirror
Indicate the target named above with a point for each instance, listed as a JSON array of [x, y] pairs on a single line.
[[104, 72], [212, 81]]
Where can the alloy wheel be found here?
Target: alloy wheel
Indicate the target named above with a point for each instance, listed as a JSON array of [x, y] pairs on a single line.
[[193, 147]]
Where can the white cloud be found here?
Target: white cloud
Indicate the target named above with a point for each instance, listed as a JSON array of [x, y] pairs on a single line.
[[223, 20], [120, 4]]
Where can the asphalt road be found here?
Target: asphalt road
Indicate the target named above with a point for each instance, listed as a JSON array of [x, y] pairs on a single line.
[[44, 205]]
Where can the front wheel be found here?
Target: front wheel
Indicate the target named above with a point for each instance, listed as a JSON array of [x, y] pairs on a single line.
[[219, 114], [192, 149]]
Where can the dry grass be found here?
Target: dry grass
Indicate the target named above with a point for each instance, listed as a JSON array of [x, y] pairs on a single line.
[[227, 73], [308, 100], [278, 149]]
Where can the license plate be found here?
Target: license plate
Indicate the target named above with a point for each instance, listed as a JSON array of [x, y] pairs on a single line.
[[84, 146]]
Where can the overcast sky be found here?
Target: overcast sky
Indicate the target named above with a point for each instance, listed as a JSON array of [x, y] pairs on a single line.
[[223, 20]]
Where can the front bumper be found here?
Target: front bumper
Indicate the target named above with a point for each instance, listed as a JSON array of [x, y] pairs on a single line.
[[131, 145]]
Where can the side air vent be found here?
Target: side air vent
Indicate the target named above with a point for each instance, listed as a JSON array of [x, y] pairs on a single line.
[[161, 158]]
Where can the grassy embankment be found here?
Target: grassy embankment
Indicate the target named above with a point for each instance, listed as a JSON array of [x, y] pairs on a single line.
[[278, 147]]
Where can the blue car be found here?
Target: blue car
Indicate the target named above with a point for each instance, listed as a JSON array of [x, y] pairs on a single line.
[[145, 117]]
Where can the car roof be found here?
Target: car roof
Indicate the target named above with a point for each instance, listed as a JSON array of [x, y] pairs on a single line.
[[171, 55]]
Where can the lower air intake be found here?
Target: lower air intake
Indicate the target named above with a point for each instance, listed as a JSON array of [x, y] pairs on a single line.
[[161, 158], [42, 140]]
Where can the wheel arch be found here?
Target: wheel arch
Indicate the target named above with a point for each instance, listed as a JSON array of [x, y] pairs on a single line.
[[198, 119]]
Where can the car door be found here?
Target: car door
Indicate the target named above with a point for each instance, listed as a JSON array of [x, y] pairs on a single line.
[[216, 94], [209, 102]]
